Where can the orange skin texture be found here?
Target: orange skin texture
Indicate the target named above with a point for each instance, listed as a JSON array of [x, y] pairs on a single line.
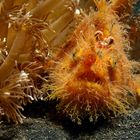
[[92, 75]]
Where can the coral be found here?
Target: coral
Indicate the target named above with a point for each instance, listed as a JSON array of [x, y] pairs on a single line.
[[13, 95], [91, 75], [24, 50]]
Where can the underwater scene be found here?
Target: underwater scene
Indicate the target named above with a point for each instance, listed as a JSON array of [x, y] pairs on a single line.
[[69, 69]]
